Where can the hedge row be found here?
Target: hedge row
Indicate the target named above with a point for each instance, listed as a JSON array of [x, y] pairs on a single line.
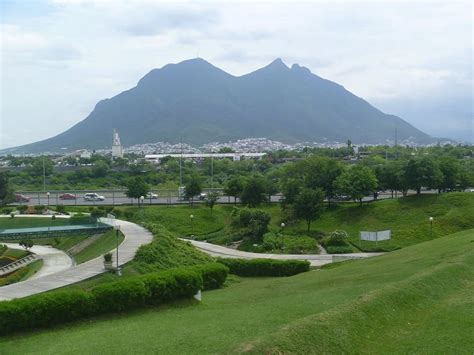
[[265, 267], [58, 307]]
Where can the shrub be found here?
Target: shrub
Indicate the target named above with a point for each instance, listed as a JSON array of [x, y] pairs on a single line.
[[339, 249], [61, 209], [22, 208], [338, 237], [213, 275], [44, 310], [39, 209], [265, 267], [58, 307], [7, 210], [120, 295]]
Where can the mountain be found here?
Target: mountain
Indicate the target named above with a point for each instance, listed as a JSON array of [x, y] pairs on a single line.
[[196, 102]]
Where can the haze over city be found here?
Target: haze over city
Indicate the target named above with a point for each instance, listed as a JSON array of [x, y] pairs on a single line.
[[60, 57]]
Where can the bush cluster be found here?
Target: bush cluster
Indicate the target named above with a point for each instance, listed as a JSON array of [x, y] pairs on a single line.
[[58, 307], [336, 243], [81, 218], [7, 210], [265, 267]]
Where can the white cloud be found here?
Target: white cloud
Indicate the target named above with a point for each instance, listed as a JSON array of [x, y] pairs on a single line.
[[81, 51]]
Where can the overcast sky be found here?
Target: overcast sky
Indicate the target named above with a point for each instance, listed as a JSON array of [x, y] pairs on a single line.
[[60, 57]]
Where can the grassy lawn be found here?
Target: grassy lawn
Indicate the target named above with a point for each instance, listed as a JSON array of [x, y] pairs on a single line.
[[418, 299], [102, 245], [25, 222], [407, 217]]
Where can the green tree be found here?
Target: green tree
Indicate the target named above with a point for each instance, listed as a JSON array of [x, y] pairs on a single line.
[[100, 169], [251, 223], [136, 187], [452, 171], [423, 172], [309, 205], [6, 193], [211, 199], [253, 193], [234, 187], [36, 167], [357, 182], [27, 244], [193, 188]]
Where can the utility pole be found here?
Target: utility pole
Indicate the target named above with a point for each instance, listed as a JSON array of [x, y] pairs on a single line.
[[44, 176]]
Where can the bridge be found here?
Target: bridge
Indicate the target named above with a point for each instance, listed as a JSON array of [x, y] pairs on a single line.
[[53, 232]]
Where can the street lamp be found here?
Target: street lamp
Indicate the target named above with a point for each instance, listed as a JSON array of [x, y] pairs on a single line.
[[117, 230], [282, 225], [431, 227], [140, 201], [47, 194], [191, 217]]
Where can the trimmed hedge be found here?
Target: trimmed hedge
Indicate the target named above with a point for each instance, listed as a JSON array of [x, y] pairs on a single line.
[[213, 274], [47, 309], [265, 267]]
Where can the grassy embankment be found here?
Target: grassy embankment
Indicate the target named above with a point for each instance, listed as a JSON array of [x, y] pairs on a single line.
[[418, 299], [407, 218]]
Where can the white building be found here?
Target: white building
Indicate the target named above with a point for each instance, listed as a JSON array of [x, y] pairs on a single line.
[[117, 150]]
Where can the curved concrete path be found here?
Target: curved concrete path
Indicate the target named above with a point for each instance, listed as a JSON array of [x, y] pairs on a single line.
[[314, 259], [135, 236], [54, 260]]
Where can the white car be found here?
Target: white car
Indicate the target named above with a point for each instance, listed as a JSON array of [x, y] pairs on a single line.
[[151, 195], [92, 196]]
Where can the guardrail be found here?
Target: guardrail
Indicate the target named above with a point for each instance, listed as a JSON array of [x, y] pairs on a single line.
[[18, 264]]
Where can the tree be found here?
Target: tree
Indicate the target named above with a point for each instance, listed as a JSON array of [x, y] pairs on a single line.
[[309, 205], [6, 194], [234, 187], [40, 165], [423, 172], [452, 174], [251, 223], [254, 191], [226, 150], [193, 188], [357, 182], [100, 169], [211, 199], [136, 187], [27, 244]]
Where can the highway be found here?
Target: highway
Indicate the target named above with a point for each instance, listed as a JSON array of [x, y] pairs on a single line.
[[167, 197]]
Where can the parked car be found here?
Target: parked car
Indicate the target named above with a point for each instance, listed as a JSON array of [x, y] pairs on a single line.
[[67, 196], [92, 196], [202, 196], [21, 198], [151, 195]]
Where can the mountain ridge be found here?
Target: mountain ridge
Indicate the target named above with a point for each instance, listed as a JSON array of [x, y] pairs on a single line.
[[195, 102]]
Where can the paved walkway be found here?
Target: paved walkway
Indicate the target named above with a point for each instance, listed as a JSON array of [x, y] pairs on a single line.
[[54, 260], [135, 236], [314, 259]]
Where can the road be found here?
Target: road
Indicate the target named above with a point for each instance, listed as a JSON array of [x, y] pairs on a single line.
[[119, 198]]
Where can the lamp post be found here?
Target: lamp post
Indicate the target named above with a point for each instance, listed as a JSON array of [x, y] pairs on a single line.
[[431, 227], [47, 194], [140, 202], [117, 230], [282, 225], [191, 217]]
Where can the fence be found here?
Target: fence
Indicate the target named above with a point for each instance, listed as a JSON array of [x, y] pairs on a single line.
[[375, 236]]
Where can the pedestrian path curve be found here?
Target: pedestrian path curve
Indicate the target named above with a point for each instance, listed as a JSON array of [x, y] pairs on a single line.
[[135, 236], [314, 259]]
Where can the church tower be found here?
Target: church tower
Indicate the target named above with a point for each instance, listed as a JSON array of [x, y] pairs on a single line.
[[117, 150]]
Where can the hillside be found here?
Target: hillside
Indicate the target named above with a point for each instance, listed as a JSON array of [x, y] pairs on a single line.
[[196, 102], [418, 299]]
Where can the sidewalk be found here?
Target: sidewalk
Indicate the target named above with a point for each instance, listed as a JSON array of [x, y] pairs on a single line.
[[314, 259], [135, 236]]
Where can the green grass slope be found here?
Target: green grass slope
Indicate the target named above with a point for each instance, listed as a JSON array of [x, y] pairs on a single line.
[[417, 299], [407, 217], [25, 222]]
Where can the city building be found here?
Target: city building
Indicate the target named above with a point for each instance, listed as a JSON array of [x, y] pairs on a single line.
[[117, 150]]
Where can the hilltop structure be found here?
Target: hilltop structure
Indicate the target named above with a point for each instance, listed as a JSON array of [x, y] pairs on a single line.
[[117, 150]]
